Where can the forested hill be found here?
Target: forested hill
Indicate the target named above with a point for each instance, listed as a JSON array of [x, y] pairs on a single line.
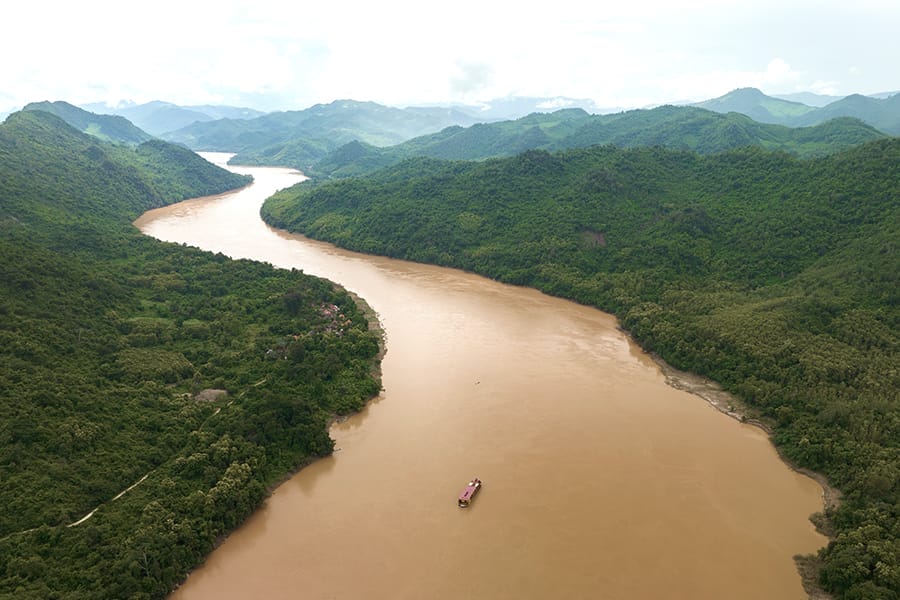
[[51, 160], [776, 276], [125, 360], [109, 128], [678, 127]]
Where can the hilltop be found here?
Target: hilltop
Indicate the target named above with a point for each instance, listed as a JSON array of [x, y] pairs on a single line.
[[105, 127]]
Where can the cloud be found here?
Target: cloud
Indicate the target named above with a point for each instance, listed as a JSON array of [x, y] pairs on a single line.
[[827, 88], [291, 55], [470, 78], [778, 73], [776, 76]]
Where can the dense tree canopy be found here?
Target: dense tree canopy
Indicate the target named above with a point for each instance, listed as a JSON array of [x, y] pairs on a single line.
[[124, 360], [677, 127], [778, 277]]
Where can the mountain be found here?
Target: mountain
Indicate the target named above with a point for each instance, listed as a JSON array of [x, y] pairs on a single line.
[[300, 137], [808, 98], [681, 127], [108, 339], [106, 127], [162, 117], [124, 180], [881, 113], [777, 277], [757, 106]]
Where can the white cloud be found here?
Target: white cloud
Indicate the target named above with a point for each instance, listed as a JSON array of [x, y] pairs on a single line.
[[778, 73], [290, 55], [828, 88]]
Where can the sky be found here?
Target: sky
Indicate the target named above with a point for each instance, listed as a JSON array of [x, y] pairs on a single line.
[[289, 55]]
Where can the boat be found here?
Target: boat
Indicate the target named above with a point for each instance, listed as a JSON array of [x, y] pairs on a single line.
[[469, 493]]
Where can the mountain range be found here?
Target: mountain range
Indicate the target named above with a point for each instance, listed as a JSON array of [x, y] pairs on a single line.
[[159, 117], [348, 137], [880, 112], [680, 127], [313, 139]]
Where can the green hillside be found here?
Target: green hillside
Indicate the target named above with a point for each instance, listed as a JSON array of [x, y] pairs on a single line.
[[112, 349], [777, 277], [109, 128], [685, 128]]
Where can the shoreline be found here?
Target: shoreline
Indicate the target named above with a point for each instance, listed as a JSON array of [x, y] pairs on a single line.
[[711, 392], [726, 403], [374, 325]]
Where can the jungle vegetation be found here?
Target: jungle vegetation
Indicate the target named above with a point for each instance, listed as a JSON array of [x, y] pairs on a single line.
[[776, 276], [125, 360]]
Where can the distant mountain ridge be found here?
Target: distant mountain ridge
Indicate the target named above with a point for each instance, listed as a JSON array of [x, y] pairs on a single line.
[[756, 105], [312, 139], [300, 137], [881, 111], [680, 127], [809, 98], [110, 128], [159, 117]]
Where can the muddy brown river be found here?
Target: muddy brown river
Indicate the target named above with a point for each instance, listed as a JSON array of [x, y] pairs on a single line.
[[600, 481]]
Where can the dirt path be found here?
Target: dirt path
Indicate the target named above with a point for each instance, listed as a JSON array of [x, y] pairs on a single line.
[[117, 496]]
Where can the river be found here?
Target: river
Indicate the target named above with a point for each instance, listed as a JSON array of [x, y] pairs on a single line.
[[600, 481]]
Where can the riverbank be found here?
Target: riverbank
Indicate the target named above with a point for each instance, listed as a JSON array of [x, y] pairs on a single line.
[[807, 565], [374, 326], [728, 404]]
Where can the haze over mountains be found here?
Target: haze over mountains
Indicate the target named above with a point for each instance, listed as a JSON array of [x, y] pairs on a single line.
[[161, 117], [349, 137], [882, 113]]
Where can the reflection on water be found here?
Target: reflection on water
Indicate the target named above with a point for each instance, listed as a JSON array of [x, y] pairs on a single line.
[[600, 481]]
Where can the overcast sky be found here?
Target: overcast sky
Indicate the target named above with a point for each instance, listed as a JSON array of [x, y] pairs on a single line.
[[285, 54]]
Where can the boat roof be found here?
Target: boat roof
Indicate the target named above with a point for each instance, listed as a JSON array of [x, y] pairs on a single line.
[[470, 489]]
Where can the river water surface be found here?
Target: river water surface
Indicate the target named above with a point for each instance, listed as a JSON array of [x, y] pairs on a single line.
[[600, 481]]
